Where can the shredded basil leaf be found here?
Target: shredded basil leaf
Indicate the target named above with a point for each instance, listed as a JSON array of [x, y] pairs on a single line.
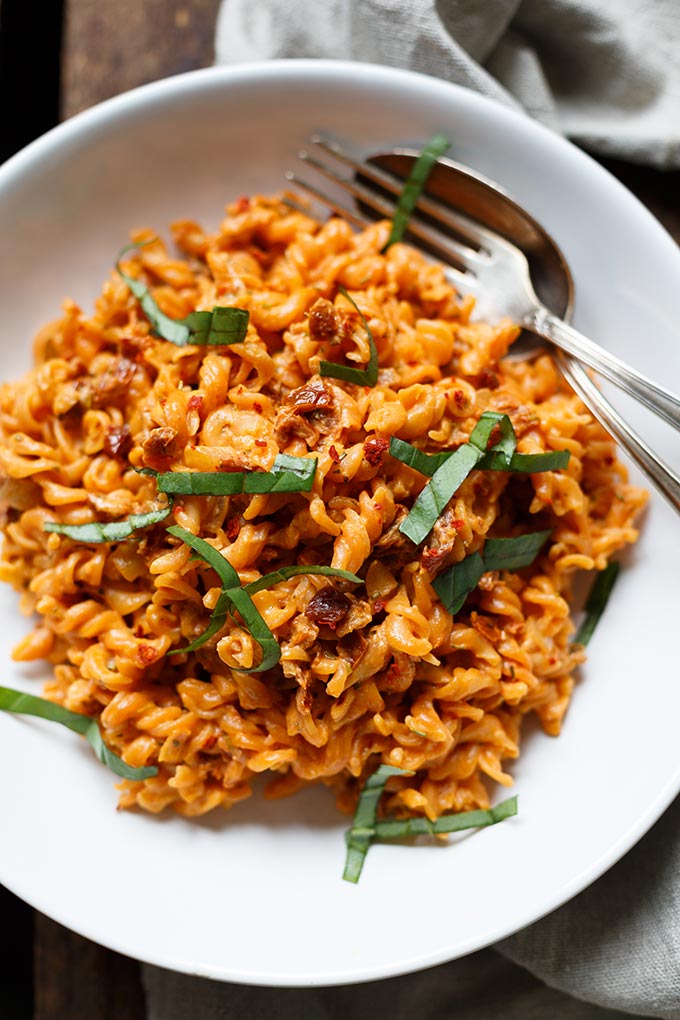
[[360, 836], [525, 463], [426, 463], [173, 330], [514, 553], [288, 474], [597, 601], [450, 475], [365, 828], [481, 434], [521, 463], [414, 185], [401, 828], [234, 595], [433, 499], [448, 471], [285, 572], [114, 531], [361, 376], [220, 326], [238, 597], [455, 584], [29, 704]]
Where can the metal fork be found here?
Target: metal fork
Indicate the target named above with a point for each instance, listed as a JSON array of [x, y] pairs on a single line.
[[490, 267]]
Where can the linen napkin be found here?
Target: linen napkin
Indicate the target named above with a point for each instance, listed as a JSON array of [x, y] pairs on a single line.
[[607, 74], [604, 72]]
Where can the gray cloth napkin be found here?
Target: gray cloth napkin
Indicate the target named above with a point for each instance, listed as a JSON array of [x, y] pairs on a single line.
[[606, 73]]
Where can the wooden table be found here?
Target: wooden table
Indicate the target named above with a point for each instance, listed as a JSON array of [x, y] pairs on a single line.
[[109, 46]]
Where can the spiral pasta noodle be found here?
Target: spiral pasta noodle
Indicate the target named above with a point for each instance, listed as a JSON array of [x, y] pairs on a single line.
[[379, 673]]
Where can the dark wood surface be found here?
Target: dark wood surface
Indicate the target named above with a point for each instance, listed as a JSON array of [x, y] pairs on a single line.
[[110, 46]]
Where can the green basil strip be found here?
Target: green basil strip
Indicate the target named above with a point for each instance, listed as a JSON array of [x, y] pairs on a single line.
[[258, 629], [218, 618], [360, 836], [414, 185], [201, 483], [521, 463], [450, 475], [449, 471], [433, 499], [29, 704], [220, 326], [210, 555], [455, 584], [176, 331], [526, 463], [426, 463], [114, 531], [400, 828], [597, 601], [481, 434], [285, 572], [232, 594], [361, 376], [288, 474], [514, 553]]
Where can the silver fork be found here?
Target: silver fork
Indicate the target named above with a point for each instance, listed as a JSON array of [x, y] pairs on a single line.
[[487, 265]]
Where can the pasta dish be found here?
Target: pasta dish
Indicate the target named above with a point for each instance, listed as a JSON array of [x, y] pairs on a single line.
[[428, 611]]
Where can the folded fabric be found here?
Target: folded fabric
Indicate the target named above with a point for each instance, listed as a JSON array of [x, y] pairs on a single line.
[[479, 987], [604, 72]]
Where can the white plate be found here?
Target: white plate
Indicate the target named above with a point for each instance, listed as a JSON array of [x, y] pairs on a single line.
[[256, 895]]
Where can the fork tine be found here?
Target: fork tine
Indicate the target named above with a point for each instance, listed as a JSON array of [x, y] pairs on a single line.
[[332, 203], [449, 249], [464, 281], [461, 224]]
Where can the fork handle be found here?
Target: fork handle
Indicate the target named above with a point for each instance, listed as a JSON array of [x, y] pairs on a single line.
[[655, 397], [651, 465]]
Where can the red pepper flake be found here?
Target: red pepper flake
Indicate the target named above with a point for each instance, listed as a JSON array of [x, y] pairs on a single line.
[[209, 742], [139, 631], [392, 676], [242, 204], [378, 606], [459, 398], [195, 402], [374, 449], [488, 379], [333, 454], [257, 406], [260, 442], [233, 528], [147, 654]]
